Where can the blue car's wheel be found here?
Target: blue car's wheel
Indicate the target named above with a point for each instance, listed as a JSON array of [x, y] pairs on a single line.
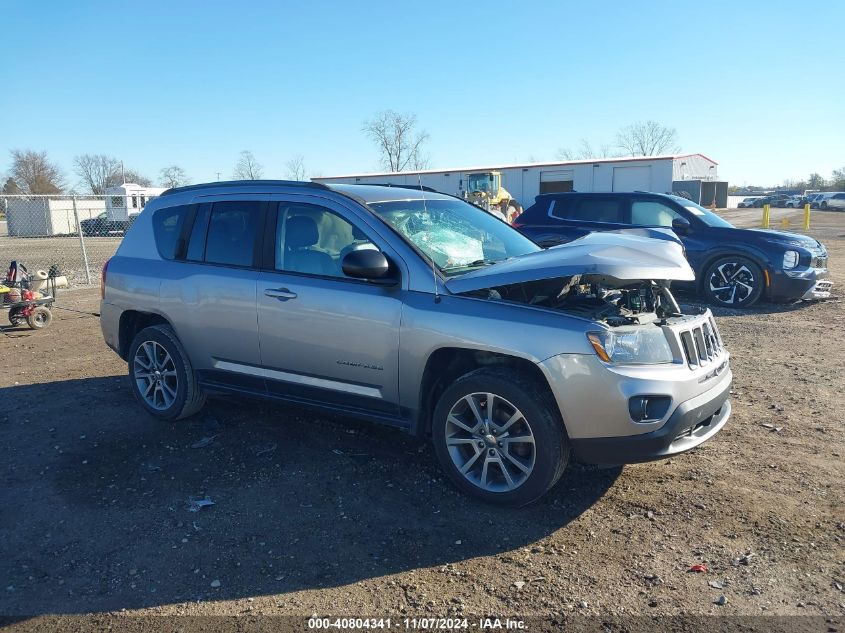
[[733, 282]]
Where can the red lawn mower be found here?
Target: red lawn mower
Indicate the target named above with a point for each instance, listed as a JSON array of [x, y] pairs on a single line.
[[24, 304]]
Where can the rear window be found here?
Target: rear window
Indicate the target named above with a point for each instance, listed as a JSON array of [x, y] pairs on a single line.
[[167, 227]]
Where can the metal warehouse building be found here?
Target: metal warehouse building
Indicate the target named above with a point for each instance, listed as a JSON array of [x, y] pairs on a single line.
[[695, 174]]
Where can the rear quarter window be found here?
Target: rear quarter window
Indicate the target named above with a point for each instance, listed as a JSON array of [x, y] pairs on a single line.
[[592, 209], [167, 228]]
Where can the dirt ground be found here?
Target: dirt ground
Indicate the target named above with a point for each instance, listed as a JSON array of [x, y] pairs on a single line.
[[335, 516]]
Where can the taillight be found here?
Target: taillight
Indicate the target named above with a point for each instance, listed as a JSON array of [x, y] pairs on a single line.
[[103, 280]]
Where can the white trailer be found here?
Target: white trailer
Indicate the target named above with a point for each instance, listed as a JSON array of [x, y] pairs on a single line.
[[526, 181], [128, 199]]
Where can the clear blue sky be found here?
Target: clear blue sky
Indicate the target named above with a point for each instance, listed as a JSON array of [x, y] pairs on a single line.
[[758, 86]]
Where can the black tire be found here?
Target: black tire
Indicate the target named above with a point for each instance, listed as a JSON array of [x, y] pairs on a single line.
[[737, 274], [551, 448], [15, 317], [39, 318], [188, 398], [823, 205]]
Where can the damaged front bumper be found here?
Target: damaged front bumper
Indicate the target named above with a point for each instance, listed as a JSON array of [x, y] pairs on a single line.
[[807, 284], [692, 423], [607, 408]]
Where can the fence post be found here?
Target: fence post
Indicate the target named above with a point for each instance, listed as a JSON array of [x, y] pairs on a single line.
[[807, 217], [81, 241], [765, 216]]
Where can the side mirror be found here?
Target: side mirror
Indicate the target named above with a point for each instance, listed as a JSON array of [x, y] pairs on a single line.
[[681, 225], [367, 264]]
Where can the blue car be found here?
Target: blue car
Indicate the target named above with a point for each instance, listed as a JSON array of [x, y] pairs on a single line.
[[733, 267]]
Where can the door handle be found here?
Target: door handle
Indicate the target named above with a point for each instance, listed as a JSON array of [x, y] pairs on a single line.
[[282, 294]]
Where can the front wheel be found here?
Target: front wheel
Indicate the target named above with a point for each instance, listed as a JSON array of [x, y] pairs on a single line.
[[499, 437], [161, 375], [733, 282], [39, 318]]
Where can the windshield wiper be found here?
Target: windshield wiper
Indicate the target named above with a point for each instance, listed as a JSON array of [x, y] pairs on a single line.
[[483, 262], [476, 264]]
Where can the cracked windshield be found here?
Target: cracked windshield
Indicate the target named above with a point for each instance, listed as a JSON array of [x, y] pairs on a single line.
[[457, 236]]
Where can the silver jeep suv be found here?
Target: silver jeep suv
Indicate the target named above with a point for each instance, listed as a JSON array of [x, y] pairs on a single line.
[[417, 310]]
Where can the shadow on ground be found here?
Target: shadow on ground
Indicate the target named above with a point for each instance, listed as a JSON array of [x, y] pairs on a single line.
[[94, 502]]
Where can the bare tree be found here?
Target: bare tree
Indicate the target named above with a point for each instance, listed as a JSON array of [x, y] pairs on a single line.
[[130, 175], [815, 181], [173, 176], [648, 138], [10, 188], [837, 180], [586, 151], [247, 168], [34, 173], [296, 168], [399, 144], [97, 172]]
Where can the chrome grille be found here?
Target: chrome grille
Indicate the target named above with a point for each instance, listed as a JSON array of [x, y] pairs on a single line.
[[701, 343]]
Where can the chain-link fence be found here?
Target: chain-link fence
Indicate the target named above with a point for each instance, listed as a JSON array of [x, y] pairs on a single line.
[[77, 234]]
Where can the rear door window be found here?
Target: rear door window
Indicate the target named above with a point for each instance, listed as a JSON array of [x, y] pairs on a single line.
[[652, 213], [167, 228], [233, 233]]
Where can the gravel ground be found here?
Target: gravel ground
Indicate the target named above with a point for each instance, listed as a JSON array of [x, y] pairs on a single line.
[[315, 514], [65, 252]]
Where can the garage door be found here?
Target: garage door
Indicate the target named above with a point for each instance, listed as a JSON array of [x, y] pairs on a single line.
[[636, 178], [556, 181]]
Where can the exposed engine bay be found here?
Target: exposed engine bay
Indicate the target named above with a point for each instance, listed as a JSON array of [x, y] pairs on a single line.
[[594, 297]]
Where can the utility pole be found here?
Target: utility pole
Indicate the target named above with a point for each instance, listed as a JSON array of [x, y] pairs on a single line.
[[218, 176]]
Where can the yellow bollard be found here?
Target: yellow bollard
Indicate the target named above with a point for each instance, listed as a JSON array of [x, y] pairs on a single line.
[[765, 216], [806, 217], [784, 224]]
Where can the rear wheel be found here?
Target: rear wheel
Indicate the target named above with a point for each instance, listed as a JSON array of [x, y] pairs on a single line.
[[499, 437], [161, 375], [733, 281]]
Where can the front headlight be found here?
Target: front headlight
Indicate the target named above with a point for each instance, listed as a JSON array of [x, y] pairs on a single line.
[[790, 259], [644, 346]]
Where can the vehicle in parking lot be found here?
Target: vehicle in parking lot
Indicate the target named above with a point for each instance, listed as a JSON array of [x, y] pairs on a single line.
[[421, 311], [776, 200], [102, 226], [746, 203], [823, 199], [734, 267], [812, 199], [793, 202], [836, 201]]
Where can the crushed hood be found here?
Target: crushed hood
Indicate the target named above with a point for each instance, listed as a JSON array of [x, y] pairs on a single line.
[[624, 256]]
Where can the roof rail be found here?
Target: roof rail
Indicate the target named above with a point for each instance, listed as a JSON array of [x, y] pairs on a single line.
[[390, 184], [245, 183]]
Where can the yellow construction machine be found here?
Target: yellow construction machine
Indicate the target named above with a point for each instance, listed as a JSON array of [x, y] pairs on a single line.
[[485, 190]]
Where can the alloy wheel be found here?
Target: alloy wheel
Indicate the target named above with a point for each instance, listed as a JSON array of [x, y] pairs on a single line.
[[155, 375], [731, 282], [490, 442]]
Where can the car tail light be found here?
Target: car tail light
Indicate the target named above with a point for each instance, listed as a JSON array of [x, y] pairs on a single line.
[[103, 279]]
